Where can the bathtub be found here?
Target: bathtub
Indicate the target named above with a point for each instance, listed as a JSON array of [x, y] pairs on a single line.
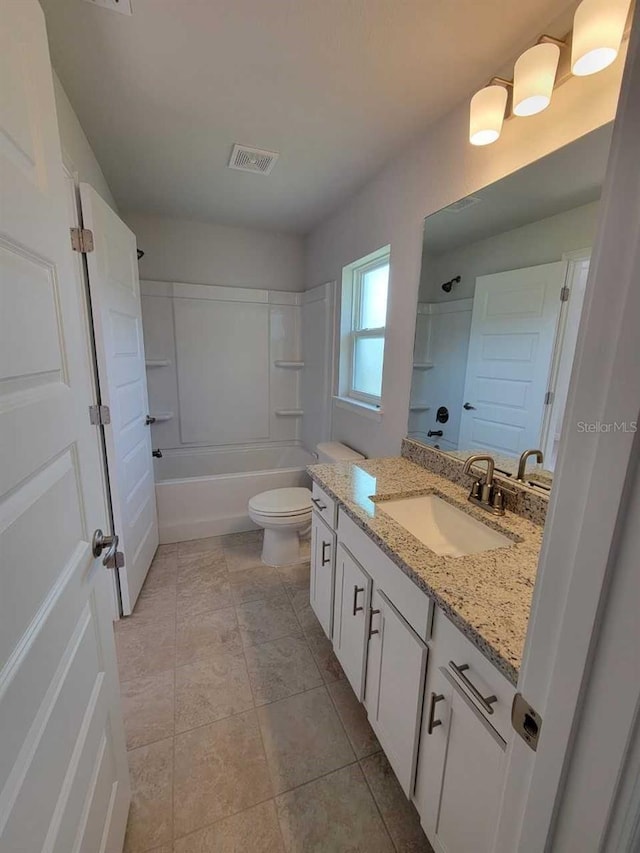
[[204, 492]]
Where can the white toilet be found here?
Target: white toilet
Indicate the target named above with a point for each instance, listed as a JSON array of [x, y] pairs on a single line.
[[285, 514]]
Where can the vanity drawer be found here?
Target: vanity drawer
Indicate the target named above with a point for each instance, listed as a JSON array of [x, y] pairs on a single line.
[[415, 606], [453, 651], [325, 506]]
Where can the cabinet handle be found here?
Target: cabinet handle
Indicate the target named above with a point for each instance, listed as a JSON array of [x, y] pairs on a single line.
[[433, 723], [319, 504], [485, 701], [372, 613], [325, 559], [356, 590]]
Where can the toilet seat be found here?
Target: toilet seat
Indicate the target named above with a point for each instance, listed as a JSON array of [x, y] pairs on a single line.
[[282, 503]]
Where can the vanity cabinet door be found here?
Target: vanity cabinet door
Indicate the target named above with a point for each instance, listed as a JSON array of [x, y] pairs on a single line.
[[460, 771], [353, 595], [396, 665], [433, 749], [321, 589]]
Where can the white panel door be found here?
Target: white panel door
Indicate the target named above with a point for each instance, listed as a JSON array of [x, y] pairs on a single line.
[[351, 629], [117, 321], [513, 331], [64, 784], [323, 563], [396, 667]]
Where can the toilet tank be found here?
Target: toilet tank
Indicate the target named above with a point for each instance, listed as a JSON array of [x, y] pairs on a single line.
[[334, 451]]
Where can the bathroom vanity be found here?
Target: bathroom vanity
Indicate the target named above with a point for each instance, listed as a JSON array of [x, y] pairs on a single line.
[[430, 636]]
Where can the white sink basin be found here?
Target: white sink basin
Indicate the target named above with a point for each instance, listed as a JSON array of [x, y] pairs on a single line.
[[442, 527]]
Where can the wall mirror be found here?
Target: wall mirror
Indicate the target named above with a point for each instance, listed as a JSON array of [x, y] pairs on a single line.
[[501, 292]]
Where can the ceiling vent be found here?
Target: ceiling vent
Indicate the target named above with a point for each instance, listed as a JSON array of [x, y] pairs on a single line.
[[463, 204], [252, 159], [123, 6]]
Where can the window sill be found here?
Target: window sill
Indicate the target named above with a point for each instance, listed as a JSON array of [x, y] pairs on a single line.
[[374, 413]]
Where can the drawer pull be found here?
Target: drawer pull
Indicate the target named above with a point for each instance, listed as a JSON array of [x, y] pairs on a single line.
[[319, 504], [325, 559], [433, 723], [356, 590], [373, 613], [485, 701]]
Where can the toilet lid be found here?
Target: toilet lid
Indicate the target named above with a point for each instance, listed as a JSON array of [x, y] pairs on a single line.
[[294, 501]]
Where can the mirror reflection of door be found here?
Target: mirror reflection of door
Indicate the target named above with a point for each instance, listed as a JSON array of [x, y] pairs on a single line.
[[513, 331]]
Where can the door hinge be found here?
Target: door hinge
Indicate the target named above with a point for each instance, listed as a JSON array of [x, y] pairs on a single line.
[[564, 294], [99, 415], [526, 721], [548, 398], [81, 240]]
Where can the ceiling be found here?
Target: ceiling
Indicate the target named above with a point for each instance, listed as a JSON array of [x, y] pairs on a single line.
[[566, 178], [335, 86]]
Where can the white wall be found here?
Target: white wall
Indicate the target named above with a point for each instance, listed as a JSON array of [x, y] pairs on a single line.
[[536, 243], [432, 173], [75, 145], [206, 253]]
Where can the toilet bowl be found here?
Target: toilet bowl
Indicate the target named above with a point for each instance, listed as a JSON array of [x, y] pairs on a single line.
[[284, 514]]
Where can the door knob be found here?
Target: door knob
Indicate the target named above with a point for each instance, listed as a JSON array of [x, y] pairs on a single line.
[[149, 420], [99, 542], [468, 406]]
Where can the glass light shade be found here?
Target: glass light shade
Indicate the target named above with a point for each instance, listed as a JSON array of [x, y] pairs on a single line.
[[533, 78], [598, 27], [486, 115]]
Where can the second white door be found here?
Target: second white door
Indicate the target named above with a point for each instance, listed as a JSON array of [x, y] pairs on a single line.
[[513, 332], [117, 320]]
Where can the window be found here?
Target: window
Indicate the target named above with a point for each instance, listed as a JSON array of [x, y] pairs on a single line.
[[365, 285]]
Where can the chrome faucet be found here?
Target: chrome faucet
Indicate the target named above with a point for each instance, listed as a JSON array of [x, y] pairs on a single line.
[[522, 464], [485, 493]]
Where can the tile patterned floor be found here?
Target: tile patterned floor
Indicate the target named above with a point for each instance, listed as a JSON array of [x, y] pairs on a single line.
[[243, 734]]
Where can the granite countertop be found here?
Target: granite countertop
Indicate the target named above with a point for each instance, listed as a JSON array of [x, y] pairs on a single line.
[[487, 595]]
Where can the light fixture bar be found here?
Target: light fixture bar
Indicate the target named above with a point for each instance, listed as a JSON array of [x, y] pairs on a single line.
[[546, 39], [500, 81]]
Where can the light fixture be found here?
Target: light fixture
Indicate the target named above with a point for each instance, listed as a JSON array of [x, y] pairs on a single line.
[[486, 113], [533, 78], [598, 30], [598, 27]]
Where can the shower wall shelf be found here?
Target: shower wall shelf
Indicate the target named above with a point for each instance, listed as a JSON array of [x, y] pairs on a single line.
[[422, 365], [163, 416], [289, 413], [157, 362], [291, 365], [419, 407]]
